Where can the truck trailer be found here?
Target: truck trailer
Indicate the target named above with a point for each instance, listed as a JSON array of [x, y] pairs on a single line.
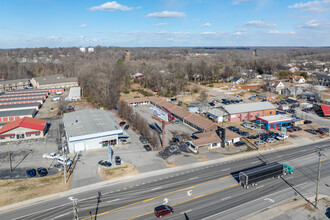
[[253, 176]]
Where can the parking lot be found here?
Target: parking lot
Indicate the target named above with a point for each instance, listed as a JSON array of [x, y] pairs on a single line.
[[27, 154]]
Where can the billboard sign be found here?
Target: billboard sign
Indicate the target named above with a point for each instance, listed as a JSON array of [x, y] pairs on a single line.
[[283, 130], [161, 114]]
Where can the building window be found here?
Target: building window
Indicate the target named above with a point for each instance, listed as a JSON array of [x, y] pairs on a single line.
[[2, 138], [28, 135], [37, 134], [113, 142], [214, 144], [12, 137]]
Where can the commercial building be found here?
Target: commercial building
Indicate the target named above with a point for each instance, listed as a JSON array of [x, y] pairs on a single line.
[[322, 110], [54, 81], [33, 105], [16, 114], [248, 111], [211, 139], [15, 84], [90, 129], [274, 122], [22, 97], [25, 128], [215, 114]]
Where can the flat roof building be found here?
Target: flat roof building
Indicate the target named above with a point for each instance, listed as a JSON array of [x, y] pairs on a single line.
[[33, 105], [90, 129], [274, 122], [54, 81], [16, 114]]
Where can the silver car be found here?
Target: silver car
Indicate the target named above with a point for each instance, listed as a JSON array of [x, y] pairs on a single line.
[[261, 142], [271, 140]]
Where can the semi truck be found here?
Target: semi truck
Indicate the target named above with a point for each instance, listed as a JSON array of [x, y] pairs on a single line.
[[251, 177]]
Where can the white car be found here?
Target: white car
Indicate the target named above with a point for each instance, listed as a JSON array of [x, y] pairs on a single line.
[[61, 160], [192, 147], [271, 140], [59, 93], [56, 98], [282, 137], [51, 155]]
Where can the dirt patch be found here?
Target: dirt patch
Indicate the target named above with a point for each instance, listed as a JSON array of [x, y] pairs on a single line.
[[125, 169], [170, 164], [13, 191], [202, 158]]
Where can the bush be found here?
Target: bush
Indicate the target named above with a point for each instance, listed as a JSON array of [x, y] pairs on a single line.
[[126, 91], [211, 85]]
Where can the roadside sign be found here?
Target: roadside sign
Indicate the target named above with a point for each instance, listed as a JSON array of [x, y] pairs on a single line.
[[283, 131], [161, 114]]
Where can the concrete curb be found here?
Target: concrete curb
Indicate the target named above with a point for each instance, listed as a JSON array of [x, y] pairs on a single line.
[[148, 174]]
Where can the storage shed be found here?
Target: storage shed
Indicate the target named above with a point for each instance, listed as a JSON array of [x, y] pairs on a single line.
[[17, 114]]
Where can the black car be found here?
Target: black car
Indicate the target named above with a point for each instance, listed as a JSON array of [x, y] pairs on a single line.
[[240, 143], [212, 104], [105, 163], [324, 129], [126, 127], [244, 134], [122, 123], [143, 140], [232, 101], [312, 131], [147, 147], [118, 160], [42, 171], [296, 128], [253, 136], [31, 172], [308, 122]]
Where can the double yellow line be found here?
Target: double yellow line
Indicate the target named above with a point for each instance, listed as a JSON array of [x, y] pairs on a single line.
[[179, 190]]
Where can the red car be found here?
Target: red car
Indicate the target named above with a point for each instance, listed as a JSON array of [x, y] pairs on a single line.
[[163, 210], [320, 131]]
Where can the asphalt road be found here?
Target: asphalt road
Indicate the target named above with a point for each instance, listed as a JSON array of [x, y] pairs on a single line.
[[207, 192]]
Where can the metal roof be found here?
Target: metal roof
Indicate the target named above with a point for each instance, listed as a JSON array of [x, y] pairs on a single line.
[[13, 81], [88, 122], [275, 118], [26, 122], [23, 96], [18, 112], [74, 92], [248, 107], [216, 111], [32, 104], [21, 100]]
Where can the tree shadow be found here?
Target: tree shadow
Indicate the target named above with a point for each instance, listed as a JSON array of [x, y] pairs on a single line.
[[22, 160], [97, 205]]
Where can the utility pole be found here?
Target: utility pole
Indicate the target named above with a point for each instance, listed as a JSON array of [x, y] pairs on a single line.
[[75, 208], [64, 154], [318, 177]]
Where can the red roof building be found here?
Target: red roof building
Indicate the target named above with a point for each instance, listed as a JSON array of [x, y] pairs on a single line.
[[24, 128]]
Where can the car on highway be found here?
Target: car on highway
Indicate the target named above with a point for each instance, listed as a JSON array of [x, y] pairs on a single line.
[[62, 160], [122, 123], [31, 172], [143, 140], [308, 122], [117, 160], [239, 144], [147, 147], [163, 210], [51, 155], [42, 171], [105, 163], [261, 142]]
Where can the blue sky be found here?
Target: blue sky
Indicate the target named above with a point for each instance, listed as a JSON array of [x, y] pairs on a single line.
[[165, 23]]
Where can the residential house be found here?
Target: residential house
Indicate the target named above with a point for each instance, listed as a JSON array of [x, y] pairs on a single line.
[[237, 80], [323, 79], [276, 86], [296, 79], [292, 90], [268, 77]]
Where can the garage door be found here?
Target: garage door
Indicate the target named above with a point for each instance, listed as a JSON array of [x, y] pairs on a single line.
[[79, 147]]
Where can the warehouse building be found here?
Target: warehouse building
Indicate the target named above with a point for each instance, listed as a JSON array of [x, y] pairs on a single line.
[[33, 105], [13, 102], [54, 81], [21, 97], [74, 94], [90, 129], [248, 111], [44, 93], [16, 114], [15, 84], [24, 128], [274, 122]]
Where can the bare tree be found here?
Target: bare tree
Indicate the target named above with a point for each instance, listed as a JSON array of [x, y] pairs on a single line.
[[61, 105]]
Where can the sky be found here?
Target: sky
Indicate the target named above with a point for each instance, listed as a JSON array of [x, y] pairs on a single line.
[[164, 23]]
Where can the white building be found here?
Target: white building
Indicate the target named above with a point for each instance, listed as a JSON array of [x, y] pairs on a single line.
[[90, 49], [90, 129], [74, 94], [82, 49], [215, 114]]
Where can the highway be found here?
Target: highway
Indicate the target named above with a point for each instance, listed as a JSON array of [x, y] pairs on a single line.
[[206, 192]]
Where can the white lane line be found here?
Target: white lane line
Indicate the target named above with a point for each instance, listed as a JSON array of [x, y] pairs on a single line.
[[254, 162], [279, 156], [156, 188], [143, 183], [137, 185], [124, 188], [149, 182], [196, 177], [226, 198], [226, 169], [185, 211], [304, 150], [259, 187], [131, 186], [155, 180], [113, 200], [166, 177], [111, 192], [118, 190]]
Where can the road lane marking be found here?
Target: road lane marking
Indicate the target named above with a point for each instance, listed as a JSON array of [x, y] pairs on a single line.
[[189, 192], [186, 211], [254, 162], [325, 159], [259, 187], [156, 188], [113, 200], [196, 177], [228, 197], [226, 169], [165, 194]]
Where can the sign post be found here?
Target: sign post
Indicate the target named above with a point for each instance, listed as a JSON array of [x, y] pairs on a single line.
[[163, 117]]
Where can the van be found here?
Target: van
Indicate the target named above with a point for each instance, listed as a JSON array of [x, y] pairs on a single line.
[[192, 147], [62, 159], [56, 98]]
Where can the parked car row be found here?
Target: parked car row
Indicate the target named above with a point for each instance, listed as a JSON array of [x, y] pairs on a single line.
[[238, 131], [322, 131], [249, 126], [293, 129], [233, 101], [60, 159], [41, 171]]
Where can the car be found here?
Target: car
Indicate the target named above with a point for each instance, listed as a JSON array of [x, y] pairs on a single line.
[[70, 108], [56, 98], [59, 93], [296, 128], [275, 135], [163, 210], [117, 160], [42, 171], [105, 163], [270, 140], [320, 132], [312, 131], [176, 138], [234, 129], [239, 143], [143, 140], [261, 142], [324, 129], [252, 97], [64, 161], [147, 147], [264, 100], [123, 141], [212, 104], [51, 155], [237, 101], [308, 122], [290, 130], [253, 136], [126, 127], [244, 134], [31, 172], [176, 122], [192, 147], [122, 123], [232, 101], [282, 137]]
